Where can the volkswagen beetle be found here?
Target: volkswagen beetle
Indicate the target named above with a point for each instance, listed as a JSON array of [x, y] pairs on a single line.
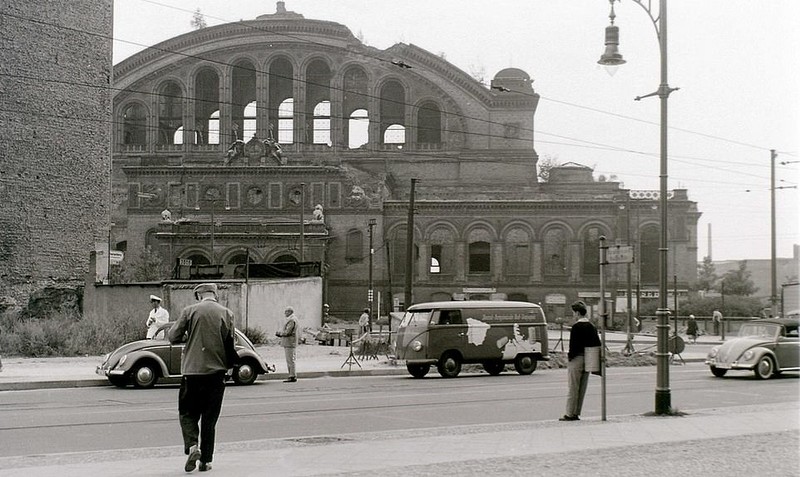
[[766, 347], [144, 362]]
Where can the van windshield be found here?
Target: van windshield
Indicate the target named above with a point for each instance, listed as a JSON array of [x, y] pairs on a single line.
[[416, 318]]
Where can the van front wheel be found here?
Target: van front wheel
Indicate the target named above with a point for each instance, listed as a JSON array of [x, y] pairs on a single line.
[[525, 364], [450, 365], [418, 370]]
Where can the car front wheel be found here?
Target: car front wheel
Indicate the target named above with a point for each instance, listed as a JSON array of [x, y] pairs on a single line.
[[764, 368], [718, 372], [418, 370], [144, 376]]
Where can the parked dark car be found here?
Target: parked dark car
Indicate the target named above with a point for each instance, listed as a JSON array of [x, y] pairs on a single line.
[[142, 363], [766, 347]]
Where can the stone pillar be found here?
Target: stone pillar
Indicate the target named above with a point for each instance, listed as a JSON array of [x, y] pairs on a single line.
[[496, 251], [424, 262], [460, 262], [536, 271]]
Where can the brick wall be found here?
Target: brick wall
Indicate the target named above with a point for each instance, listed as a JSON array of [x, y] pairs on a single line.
[[55, 125]]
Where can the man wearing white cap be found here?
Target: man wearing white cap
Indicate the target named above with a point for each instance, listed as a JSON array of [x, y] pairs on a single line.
[[158, 316]]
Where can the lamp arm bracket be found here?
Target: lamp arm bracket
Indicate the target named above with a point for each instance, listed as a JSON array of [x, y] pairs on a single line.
[[659, 93]]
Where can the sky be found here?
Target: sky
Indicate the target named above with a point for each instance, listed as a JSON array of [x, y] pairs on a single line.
[[736, 63]]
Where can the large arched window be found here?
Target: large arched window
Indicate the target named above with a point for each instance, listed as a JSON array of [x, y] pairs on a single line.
[[318, 103], [206, 104], [134, 120], [286, 122], [281, 101], [591, 251], [322, 123], [243, 95], [356, 107], [170, 113], [555, 251], [392, 112], [429, 123], [355, 246], [358, 129], [442, 252]]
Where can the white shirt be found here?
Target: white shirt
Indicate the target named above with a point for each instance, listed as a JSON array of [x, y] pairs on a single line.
[[158, 316]]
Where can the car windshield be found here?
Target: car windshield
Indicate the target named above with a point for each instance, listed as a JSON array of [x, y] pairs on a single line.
[[416, 318], [760, 330]]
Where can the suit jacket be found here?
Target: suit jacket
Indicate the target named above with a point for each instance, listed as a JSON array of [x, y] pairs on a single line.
[[290, 332], [207, 329]]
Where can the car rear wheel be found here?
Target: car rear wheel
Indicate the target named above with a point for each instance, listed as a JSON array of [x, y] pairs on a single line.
[[494, 367], [717, 371], [418, 370], [525, 364], [764, 368], [245, 374], [144, 375], [450, 365]]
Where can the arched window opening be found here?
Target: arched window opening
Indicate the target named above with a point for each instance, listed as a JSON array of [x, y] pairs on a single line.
[[555, 252], [429, 124], [134, 120], [206, 102], [198, 259], [395, 134], [358, 129], [322, 123], [177, 138], [591, 251], [436, 259], [170, 113], [285, 258], [213, 128], [249, 121], [286, 122], [480, 258], [442, 250], [518, 252], [392, 110]]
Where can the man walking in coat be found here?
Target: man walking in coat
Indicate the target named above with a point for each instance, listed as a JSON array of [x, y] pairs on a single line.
[[288, 338], [582, 335], [207, 328]]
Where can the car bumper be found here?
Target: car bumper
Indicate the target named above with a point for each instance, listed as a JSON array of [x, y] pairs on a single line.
[[733, 365], [102, 371]]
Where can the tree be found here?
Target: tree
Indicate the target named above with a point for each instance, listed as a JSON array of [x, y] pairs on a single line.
[[546, 163], [738, 282], [198, 20], [148, 266], [706, 275]]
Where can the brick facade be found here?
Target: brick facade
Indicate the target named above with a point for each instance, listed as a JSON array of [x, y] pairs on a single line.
[[55, 138]]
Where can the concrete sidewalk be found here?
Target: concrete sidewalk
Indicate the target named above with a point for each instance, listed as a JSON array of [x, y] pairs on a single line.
[[313, 361], [706, 441]]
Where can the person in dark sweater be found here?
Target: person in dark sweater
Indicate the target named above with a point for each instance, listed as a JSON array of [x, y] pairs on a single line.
[[582, 335]]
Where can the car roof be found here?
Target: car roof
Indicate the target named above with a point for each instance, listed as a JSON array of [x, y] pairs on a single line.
[[452, 305]]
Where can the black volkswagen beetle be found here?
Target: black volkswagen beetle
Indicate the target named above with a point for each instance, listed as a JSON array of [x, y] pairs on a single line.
[[144, 362], [766, 347]]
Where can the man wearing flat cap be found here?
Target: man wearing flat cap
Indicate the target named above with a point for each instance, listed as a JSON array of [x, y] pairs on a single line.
[[207, 327], [158, 316]]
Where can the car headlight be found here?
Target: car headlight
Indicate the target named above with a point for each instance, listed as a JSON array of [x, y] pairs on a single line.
[[122, 361], [713, 352], [416, 345], [748, 355]]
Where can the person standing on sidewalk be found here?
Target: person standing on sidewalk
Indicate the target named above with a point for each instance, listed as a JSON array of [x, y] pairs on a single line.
[[716, 317], [288, 338], [207, 327], [363, 322], [158, 316], [691, 329], [582, 335]]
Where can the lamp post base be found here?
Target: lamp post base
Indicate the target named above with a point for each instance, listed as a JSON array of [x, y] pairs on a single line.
[[663, 402]]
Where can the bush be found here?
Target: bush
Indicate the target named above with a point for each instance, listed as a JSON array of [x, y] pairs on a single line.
[[700, 306], [256, 335]]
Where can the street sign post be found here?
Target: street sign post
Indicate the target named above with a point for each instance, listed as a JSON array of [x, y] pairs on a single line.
[[619, 254]]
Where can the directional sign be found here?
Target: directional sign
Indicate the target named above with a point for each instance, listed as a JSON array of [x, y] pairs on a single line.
[[619, 254]]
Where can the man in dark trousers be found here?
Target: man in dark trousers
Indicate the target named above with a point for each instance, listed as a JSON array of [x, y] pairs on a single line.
[[207, 328], [582, 335]]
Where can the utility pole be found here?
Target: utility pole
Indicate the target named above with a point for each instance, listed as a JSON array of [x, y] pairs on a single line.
[[370, 293], [773, 296], [409, 246], [302, 222]]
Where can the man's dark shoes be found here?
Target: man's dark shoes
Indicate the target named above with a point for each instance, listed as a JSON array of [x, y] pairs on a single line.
[[191, 461], [569, 418], [204, 466], [290, 380]]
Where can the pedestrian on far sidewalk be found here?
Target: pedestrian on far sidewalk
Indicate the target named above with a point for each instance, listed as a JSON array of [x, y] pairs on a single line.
[[207, 328], [288, 338], [716, 317], [691, 329], [158, 316], [582, 335], [363, 322]]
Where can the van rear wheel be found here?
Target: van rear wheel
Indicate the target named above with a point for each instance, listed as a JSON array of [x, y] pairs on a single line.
[[418, 370], [450, 365], [525, 364], [494, 367]]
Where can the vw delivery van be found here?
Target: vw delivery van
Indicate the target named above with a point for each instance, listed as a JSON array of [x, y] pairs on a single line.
[[492, 333]]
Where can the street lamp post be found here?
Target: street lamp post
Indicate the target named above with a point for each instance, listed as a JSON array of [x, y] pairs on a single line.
[[610, 58]]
